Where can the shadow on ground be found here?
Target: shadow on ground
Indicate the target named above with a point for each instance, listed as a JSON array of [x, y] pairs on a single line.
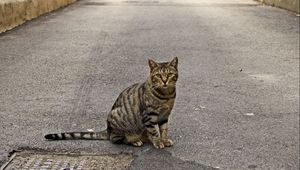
[[162, 159]]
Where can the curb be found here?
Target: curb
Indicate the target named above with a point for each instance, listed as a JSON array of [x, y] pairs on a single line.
[[16, 12]]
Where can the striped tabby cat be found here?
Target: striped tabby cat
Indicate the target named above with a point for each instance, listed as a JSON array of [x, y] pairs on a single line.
[[141, 111]]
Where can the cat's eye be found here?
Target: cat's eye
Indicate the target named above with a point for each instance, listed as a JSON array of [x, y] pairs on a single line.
[[158, 76], [170, 74]]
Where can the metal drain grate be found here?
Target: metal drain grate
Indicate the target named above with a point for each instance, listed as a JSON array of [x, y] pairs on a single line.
[[31, 161]]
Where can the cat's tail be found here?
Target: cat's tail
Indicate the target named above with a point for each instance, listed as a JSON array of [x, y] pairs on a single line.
[[103, 135]]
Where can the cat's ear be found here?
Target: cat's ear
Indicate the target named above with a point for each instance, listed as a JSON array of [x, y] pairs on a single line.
[[174, 62], [152, 64]]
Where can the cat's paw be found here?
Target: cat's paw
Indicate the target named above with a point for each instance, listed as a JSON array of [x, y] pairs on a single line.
[[168, 142], [138, 143], [158, 144]]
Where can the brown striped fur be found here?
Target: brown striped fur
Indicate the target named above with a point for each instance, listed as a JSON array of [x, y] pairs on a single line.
[[141, 111]]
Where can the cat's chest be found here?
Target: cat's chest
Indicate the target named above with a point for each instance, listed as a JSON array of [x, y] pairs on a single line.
[[162, 107], [165, 109]]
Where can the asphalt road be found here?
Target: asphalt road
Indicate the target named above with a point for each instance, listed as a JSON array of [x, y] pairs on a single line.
[[237, 103]]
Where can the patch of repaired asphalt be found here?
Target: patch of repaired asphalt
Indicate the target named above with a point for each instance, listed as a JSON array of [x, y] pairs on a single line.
[[162, 159], [147, 159]]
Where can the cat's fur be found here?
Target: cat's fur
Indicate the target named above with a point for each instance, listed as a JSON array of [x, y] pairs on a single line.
[[141, 111]]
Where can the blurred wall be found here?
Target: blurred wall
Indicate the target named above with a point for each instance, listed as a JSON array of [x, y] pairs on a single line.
[[16, 12], [292, 5]]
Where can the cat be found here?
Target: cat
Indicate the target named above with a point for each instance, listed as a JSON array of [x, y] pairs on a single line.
[[141, 112]]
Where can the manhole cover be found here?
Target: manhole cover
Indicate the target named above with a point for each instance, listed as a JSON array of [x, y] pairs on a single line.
[[33, 161]]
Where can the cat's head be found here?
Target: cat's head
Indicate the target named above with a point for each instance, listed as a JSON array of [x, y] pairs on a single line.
[[163, 75]]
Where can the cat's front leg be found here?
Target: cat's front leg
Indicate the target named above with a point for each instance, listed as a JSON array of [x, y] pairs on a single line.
[[150, 121], [163, 126]]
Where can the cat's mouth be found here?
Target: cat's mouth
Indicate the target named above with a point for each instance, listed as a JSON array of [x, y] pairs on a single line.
[[166, 86], [163, 87]]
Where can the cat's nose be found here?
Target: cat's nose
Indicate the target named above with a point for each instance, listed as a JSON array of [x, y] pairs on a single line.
[[164, 80], [165, 83]]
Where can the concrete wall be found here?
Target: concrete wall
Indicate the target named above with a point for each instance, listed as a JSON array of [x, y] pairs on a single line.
[[292, 5], [16, 12]]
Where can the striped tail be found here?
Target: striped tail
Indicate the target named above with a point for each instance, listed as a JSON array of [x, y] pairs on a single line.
[[78, 135]]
